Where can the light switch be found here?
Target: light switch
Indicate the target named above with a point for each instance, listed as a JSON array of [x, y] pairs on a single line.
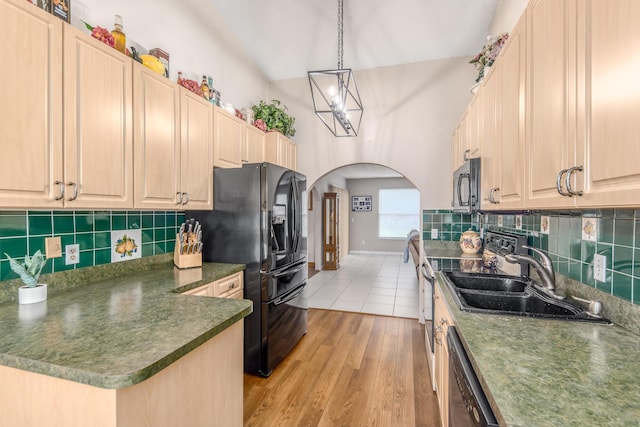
[[600, 267], [53, 247], [72, 254]]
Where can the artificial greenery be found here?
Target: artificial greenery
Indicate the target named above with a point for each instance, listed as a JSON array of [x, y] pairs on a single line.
[[30, 270], [275, 117]]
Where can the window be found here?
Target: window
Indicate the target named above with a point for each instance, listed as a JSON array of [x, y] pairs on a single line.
[[398, 212]]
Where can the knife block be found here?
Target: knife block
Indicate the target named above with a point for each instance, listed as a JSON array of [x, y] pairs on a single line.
[[185, 260]]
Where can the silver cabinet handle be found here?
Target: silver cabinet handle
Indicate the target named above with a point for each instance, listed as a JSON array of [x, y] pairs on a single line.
[[497, 190], [61, 185], [559, 183], [75, 191], [567, 181], [185, 198], [465, 155], [179, 197], [492, 194]]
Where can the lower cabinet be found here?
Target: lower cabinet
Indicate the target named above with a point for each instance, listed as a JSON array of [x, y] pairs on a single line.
[[227, 287], [442, 320]]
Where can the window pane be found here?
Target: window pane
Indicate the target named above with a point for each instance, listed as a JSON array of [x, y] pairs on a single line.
[[398, 212]]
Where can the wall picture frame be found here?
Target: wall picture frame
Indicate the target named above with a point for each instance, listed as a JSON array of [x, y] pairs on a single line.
[[361, 203]]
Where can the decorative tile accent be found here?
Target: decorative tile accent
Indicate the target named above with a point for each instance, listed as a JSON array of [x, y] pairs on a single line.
[[23, 232]]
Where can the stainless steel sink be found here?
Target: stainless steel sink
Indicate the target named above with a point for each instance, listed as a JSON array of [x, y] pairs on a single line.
[[511, 295]]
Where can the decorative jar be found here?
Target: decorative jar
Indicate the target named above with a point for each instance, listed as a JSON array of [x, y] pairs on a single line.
[[470, 242]]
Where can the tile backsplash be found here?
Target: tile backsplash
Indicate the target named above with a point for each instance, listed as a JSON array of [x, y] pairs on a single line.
[[24, 232], [572, 249]]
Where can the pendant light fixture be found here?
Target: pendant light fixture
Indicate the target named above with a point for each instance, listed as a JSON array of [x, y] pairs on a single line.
[[335, 96]]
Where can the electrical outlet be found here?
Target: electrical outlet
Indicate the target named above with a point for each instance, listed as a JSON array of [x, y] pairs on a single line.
[[72, 254], [434, 233], [600, 267], [52, 247]]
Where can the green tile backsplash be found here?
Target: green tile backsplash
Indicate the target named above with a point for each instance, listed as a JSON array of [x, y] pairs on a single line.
[[25, 232], [618, 238]]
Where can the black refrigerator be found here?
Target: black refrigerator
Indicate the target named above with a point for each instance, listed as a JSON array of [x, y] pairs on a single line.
[[258, 220]]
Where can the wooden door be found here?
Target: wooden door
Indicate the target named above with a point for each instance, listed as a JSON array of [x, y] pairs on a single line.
[[293, 155], [31, 106], [511, 126], [487, 102], [474, 129], [98, 136], [277, 149], [196, 151], [550, 100], [228, 139], [156, 116], [330, 231], [609, 107], [254, 142]]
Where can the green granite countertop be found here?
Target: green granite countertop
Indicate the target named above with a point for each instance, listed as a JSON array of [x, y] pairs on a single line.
[[118, 331], [539, 372]]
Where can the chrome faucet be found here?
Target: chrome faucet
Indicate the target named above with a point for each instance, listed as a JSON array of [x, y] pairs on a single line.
[[544, 268]]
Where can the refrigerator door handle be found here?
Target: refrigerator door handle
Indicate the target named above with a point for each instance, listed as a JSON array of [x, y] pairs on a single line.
[[290, 271], [288, 297]]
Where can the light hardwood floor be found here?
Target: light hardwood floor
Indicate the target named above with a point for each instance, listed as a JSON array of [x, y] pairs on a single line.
[[351, 369]]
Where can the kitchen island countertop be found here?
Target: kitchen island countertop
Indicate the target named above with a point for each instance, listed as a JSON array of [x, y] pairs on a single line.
[[540, 372], [118, 332]]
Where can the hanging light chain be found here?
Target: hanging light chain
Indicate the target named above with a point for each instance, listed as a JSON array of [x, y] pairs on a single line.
[[340, 38]]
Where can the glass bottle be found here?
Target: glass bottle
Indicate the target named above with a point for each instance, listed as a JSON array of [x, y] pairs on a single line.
[[212, 96], [118, 35], [205, 88], [180, 78]]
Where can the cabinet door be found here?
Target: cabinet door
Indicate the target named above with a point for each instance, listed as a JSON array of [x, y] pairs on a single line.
[[609, 105], [156, 142], [254, 142], [228, 286], [487, 102], [277, 149], [293, 155], [30, 105], [228, 139], [474, 129], [98, 145], [441, 321], [196, 151], [550, 99], [511, 144]]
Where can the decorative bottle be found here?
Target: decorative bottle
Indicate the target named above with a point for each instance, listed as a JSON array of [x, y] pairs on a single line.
[[118, 35], [212, 92], [205, 88]]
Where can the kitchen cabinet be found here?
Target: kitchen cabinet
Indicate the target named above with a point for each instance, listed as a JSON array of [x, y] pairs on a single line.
[[196, 151], [156, 116], [277, 149], [551, 100], [456, 150], [293, 155], [31, 106], [442, 320], [98, 135], [608, 104], [228, 287], [172, 139], [228, 139], [503, 127], [254, 143]]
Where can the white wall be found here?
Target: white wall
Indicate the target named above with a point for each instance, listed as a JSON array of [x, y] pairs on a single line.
[[195, 36], [410, 112], [507, 14], [363, 226]]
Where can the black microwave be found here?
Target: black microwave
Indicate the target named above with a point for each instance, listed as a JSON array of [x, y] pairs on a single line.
[[466, 187]]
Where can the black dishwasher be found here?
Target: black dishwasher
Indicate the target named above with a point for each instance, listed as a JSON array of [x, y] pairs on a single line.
[[468, 406]]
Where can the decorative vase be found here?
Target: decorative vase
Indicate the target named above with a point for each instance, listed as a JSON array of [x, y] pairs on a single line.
[[28, 295], [470, 242]]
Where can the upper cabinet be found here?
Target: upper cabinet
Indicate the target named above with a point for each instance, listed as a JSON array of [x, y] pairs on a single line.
[[254, 143], [156, 116], [228, 141], [31, 142], [608, 122], [279, 150], [98, 135]]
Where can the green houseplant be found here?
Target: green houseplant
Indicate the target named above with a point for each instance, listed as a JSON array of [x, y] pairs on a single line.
[[29, 272], [275, 117]]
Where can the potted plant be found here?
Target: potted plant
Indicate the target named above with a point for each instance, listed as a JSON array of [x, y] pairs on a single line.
[[29, 272], [274, 116]]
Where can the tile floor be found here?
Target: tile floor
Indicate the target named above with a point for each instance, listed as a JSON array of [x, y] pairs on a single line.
[[375, 284]]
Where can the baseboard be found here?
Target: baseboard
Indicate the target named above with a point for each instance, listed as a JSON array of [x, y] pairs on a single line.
[[374, 253], [312, 264]]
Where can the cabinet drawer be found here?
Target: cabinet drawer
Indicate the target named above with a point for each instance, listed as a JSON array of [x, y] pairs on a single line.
[[229, 285], [202, 291], [239, 294]]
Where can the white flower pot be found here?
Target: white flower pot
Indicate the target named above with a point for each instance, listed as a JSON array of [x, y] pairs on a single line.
[[27, 295]]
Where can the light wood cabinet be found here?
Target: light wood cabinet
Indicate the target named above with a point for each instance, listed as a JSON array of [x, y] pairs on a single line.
[[277, 149], [228, 287], [228, 139], [293, 155], [196, 151], [156, 116], [98, 135], [442, 320], [31, 106], [490, 141], [254, 144]]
